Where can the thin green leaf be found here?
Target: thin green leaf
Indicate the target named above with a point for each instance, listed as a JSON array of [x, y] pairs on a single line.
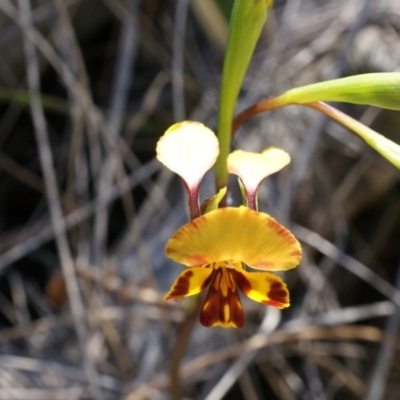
[[247, 20], [384, 146], [378, 89], [21, 97]]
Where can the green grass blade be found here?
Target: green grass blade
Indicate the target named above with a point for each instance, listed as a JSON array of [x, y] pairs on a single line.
[[21, 97]]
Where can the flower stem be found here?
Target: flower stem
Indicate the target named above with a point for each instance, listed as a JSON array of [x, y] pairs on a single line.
[[187, 325], [182, 340], [193, 200], [251, 197], [260, 107]]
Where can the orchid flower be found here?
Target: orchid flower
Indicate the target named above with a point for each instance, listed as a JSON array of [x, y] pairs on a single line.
[[219, 244]]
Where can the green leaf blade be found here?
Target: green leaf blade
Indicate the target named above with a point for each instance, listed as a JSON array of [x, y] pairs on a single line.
[[247, 20], [385, 147], [377, 89]]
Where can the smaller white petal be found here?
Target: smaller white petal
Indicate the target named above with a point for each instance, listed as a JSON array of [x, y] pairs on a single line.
[[252, 168]]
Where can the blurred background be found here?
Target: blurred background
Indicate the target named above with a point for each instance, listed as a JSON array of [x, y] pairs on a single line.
[[86, 89]]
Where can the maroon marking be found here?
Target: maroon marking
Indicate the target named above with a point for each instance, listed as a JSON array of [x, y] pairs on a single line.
[[243, 283], [212, 312], [207, 281], [181, 287], [235, 305], [278, 295]]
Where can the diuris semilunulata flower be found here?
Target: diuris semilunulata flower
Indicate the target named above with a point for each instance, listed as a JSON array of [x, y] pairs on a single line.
[[219, 246]]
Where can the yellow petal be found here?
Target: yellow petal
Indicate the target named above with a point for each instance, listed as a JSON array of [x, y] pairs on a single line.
[[252, 168], [188, 149], [190, 282], [263, 287], [222, 306], [237, 234]]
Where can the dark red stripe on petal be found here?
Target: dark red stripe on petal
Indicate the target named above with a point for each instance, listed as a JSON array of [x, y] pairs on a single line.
[[243, 283], [181, 287], [278, 295], [190, 282], [219, 310], [263, 287], [207, 281]]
